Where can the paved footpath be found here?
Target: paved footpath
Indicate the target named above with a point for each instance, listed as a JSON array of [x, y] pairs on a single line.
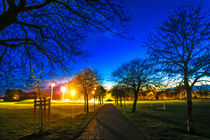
[[110, 124]]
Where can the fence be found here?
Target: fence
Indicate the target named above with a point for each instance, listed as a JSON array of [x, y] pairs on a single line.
[[44, 111]]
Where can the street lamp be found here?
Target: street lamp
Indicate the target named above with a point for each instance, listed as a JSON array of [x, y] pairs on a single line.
[[63, 89], [52, 85]]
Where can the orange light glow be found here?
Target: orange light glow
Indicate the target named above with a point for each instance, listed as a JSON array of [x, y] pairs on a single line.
[[63, 89], [52, 84], [72, 92]]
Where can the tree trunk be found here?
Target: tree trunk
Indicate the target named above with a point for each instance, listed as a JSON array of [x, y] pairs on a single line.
[[117, 100], [102, 100], [87, 110], [190, 126], [124, 101], [120, 101], [85, 103], [135, 101]]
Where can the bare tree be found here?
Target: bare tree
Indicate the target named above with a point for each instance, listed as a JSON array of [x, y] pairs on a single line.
[[134, 74], [86, 80], [100, 93], [47, 33], [36, 84], [180, 48], [115, 93], [119, 91]]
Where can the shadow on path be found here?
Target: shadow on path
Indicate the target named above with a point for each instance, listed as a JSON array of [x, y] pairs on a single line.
[[110, 124]]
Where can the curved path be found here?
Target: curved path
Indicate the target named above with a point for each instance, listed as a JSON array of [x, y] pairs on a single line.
[[110, 124]]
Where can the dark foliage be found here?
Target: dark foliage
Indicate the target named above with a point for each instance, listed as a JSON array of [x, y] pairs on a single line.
[[180, 48], [48, 33]]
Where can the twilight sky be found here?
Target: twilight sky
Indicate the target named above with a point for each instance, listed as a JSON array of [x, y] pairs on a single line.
[[109, 51]]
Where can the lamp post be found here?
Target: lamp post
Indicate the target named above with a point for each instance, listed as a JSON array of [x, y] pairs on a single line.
[[52, 85], [63, 89]]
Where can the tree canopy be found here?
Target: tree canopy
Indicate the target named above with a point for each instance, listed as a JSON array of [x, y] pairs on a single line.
[[134, 74], [48, 33], [86, 80], [100, 93], [180, 48]]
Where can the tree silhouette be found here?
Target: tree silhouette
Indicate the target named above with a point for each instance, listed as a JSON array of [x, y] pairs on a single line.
[[100, 93], [119, 91], [115, 92], [86, 80], [134, 74], [47, 33], [37, 84], [180, 48]]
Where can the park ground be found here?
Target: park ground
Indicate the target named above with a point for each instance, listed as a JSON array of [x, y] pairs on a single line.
[[156, 124], [68, 120]]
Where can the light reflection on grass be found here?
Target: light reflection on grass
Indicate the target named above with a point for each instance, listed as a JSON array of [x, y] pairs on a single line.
[[17, 119]]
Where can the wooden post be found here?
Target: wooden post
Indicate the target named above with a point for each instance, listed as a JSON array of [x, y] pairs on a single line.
[[35, 104], [44, 104], [41, 115], [164, 106], [188, 128], [44, 114], [49, 104]]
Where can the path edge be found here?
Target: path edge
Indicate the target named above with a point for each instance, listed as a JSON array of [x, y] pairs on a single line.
[[143, 136], [76, 136]]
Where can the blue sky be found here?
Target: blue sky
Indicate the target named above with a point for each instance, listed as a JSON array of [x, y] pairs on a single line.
[[109, 51]]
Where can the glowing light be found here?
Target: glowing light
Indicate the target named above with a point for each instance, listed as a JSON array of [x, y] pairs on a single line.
[[72, 92], [91, 101], [52, 84], [66, 100], [93, 92], [95, 88], [63, 89]]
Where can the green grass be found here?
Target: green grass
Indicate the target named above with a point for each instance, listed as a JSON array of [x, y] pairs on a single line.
[[67, 128], [17, 120], [157, 124]]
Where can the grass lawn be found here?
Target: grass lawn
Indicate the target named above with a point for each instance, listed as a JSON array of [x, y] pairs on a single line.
[[157, 124], [17, 120]]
